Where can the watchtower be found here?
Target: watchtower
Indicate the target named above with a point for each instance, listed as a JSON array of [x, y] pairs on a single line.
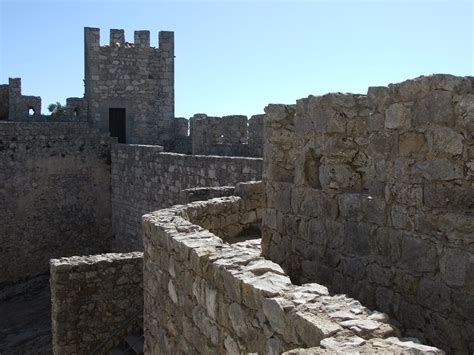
[[129, 87]]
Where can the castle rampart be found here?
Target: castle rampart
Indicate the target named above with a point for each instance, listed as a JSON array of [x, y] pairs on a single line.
[[372, 195], [55, 193], [144, 178], [20, 106]]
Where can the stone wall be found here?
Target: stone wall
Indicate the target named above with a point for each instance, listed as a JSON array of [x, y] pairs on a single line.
[[255, 134], [16, 107], [4, 102], [145, 179], [227, 135], [181, 140], [203, 295], [373, 195], [55, 193], [205, 193], [19, 105], [96, 302], [134, 77], [76, 107], [208, 134]]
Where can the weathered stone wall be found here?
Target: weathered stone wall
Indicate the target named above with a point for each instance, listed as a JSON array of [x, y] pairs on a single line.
[[16, 107], [96, 302], [181, 140], [205, 193], [205, 296], [54, 193], [4, 102], [145, 179], [255, 128], [76, 107], [208, 134], [18, 104], [373, 195], [227, 135], [136, 77]]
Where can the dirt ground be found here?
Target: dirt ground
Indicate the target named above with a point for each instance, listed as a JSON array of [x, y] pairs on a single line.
[[25, 317]]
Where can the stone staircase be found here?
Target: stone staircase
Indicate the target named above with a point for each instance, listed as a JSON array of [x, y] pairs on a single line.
[[133, 345]]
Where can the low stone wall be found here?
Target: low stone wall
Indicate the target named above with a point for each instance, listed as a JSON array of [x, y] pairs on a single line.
[[203, 295], [145, 179], [205, 193], [96, 302], [233, 216], [54, 193], [372, 195]]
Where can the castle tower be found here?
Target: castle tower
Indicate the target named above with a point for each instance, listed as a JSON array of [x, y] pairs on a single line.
[[129, 87]]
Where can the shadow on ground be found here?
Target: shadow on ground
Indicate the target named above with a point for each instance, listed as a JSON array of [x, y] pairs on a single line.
[[25, 317]]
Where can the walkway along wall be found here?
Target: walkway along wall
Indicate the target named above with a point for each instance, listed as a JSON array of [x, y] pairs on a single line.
[[206, 296], [145, 179], [54, 193], [373, 195]]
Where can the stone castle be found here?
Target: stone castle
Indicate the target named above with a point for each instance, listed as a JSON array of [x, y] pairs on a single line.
[[353, 233]]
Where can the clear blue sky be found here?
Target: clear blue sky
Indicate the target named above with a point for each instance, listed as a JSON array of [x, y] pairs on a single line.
[[236, 57]]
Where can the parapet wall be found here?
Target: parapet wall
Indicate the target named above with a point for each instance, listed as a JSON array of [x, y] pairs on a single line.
[[145, 179], [96, 302], [229, 135], [54, 193], [224, 136], [373, 196], [19, 105], [205, 296]]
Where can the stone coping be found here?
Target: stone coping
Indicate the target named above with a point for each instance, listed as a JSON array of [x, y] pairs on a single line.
[[302, 315]]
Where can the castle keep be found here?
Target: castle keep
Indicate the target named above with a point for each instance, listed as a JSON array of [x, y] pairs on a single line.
[[129, 88], [341, 223]]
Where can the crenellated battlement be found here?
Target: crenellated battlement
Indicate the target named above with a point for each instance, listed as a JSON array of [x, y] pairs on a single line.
[[117, 39]]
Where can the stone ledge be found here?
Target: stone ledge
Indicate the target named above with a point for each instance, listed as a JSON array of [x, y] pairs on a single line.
[[249, 287]]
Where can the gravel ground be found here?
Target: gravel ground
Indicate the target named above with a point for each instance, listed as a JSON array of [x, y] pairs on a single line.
[[25, 317]]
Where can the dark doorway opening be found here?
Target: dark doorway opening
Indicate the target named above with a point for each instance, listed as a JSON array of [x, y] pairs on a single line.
[[117, 125]]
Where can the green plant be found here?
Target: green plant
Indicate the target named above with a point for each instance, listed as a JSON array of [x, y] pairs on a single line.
[[57, 109]]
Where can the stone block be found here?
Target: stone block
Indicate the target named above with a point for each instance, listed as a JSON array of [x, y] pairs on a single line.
[[382, 144], [362, 207], [401, 218], [274, 310], [397, 116], [444, 141], [434, 295], [464, 112], [354, 267], [386, 300], [357, 238], [312, 329], [436, 107], [458, 195], [418, 255], [339, 177], [457, 268], [438, 169], [412, 144]]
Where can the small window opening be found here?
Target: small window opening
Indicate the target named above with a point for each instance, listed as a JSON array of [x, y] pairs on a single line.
[[76, 112], [31, 111]]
